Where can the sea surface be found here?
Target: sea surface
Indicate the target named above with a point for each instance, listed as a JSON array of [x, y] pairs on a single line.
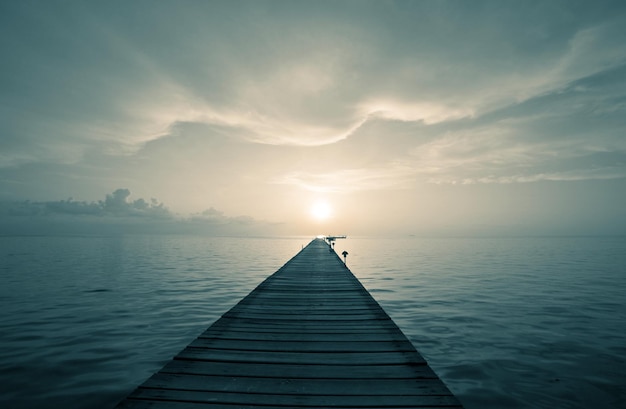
[[506, 323]]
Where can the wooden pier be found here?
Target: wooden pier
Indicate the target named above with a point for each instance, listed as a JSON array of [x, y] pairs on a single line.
[[309, 336]]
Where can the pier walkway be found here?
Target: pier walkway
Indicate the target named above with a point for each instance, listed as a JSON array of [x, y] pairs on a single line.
[[309, 336]]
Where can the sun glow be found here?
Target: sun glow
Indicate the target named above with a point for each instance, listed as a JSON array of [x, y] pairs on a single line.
[[321, 210]]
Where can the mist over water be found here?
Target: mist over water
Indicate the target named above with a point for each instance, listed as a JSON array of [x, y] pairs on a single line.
[[518, 323]]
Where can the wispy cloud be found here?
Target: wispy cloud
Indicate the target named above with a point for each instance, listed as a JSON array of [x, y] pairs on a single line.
[[350, 180], [417, 111], [565, 176]]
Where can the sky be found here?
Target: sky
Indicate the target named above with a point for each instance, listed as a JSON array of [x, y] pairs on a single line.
[[243, 117]]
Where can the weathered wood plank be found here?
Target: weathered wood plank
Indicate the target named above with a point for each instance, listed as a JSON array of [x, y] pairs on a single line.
[[298, 400], [311, 371], [339, 337], [309, 329], [155, 403], [301, 371], [286, 316], [337, 387], [339, 358], [304, 346], [312, 323], [303, 308]]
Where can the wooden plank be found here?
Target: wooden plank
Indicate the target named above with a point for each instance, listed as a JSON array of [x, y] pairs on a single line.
[[257, 385], [312, 371], [286, 316], [230, 322], [304, 346], [299, 400], [345, 337], [308, 336], [301, 329], [347, 296], [342, 358], [300, 308], [156, 403], [312, 323]]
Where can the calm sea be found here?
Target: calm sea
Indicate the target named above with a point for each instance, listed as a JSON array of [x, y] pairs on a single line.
[[506, 323]]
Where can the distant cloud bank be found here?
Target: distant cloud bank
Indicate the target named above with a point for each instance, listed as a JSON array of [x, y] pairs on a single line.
[[115, 204], [117, 214]]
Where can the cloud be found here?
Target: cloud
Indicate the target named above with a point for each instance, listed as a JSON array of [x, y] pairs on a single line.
[[565, 176], [334, 70], [217, 217], [116, 214], [350, 180], [321, 97], [572, 133], [419, 111], [115, 205]]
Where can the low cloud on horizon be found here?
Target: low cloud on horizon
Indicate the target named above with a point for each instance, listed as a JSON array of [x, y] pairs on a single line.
[[117, 214]]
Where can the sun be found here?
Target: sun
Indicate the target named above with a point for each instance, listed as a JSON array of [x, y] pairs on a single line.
[[321, 210]]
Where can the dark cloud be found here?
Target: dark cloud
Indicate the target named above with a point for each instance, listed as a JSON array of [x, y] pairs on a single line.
[[116, 214], [115, 204]]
